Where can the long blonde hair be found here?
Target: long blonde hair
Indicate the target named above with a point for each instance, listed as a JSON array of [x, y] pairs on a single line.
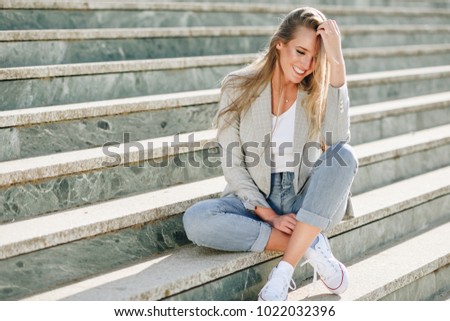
[[260, 72]]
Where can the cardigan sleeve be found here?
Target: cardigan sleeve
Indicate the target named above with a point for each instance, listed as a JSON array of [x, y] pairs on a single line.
[[336, 122], [232, 158]]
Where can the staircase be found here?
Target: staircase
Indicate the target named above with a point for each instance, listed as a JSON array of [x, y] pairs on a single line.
[[91, 200]]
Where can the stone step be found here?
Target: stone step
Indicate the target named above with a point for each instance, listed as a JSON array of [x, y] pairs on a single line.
[[378, 167], [65, 84], [195, 273], [42, 131], [64, 227], [359, 60], [60, 46], [35, 186], [71, 15], [68, 180], [35, 132], [392, 159], [416, 269], [396, 117]]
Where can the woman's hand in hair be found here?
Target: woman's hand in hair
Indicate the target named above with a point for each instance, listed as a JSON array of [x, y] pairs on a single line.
[[331, 39]]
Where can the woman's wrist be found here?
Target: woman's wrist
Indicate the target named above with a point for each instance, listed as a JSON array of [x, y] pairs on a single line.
[[337, 73]]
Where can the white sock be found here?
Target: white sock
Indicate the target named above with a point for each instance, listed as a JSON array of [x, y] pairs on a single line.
[[286, 268]]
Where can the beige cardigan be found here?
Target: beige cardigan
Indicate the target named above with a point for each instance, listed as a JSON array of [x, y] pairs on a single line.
[[249, 178]]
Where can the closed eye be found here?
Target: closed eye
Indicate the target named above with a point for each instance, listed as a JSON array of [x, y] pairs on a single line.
[[301, 52]]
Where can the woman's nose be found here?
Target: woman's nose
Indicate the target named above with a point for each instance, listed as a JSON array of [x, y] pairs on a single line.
[[306, 62]]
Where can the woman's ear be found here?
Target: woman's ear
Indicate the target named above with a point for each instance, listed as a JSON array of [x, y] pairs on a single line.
[[279, 45]]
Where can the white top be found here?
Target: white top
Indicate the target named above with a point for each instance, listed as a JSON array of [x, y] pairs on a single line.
[[282, 153]]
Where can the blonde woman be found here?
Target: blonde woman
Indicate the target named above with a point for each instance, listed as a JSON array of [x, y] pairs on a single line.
[[283, 128]]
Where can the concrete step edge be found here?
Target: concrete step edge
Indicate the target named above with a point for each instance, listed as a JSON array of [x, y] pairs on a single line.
[[29, 169], [67, 163], [63, 227], [51, 114], [218, 7], [391, 269], [385, 77], [122, 66], [39, 115], [95, 68], [192, 266], [397, 146], [369, 112], [136, 33]]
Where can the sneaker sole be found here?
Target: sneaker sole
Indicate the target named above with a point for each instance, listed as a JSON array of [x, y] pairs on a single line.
[[343, 285]]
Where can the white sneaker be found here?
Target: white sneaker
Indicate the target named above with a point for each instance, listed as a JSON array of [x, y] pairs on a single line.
[[277, 287], [332, 272]]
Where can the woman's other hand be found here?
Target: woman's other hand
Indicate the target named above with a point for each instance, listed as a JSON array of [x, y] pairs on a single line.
[[285, 223]]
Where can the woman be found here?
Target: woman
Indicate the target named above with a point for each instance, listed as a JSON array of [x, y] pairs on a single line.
[[283, 128]]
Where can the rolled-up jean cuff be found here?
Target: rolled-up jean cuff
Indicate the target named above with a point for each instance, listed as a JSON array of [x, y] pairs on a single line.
[[313, 219], [263, 238]]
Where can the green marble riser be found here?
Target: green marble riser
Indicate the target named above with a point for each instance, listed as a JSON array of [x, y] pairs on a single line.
[[79, 19], [78, 51], [35, 198], [18, 94], [348, 247], [36, 53], [47, 269], [32, 199], [369, 131], [398, 90], [427, 288], [389, 171], [65, 90], [366, 65], [45, 139]]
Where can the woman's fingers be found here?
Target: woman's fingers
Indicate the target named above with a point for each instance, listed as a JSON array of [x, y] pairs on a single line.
[[328, 27], [288, 222], [331, 39], [284, 223]]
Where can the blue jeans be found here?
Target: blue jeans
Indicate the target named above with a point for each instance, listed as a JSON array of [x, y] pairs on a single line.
[[225, 224]]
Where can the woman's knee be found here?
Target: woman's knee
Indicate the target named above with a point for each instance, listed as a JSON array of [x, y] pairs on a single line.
[[198, 220], [192, 219], [345, 155]]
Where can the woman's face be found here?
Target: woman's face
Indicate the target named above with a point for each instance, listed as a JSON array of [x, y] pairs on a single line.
[[297, 56]]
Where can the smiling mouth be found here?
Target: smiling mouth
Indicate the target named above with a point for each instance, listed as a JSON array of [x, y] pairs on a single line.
[[298, 71]]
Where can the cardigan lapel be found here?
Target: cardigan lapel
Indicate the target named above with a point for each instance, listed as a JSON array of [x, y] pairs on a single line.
[[262, 111], [262, 126], [300, 138]]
